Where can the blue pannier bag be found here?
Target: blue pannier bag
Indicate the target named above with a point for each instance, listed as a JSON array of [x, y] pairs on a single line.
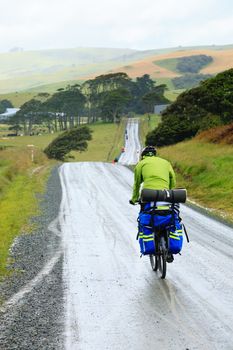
[[176, 237], [146, 236]]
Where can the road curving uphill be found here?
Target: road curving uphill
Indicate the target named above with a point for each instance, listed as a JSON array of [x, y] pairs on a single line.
[[131, 154]]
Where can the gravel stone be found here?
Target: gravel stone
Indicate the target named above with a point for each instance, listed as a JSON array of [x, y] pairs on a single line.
[[36, 321]]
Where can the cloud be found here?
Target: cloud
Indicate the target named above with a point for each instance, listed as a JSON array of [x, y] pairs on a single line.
[[35, 24]]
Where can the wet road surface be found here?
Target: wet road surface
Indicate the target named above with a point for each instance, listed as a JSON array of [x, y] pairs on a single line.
[[113, 298], [132, 144]]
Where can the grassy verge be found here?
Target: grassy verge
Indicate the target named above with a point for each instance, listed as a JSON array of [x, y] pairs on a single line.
[[20, 182], [206, 171]]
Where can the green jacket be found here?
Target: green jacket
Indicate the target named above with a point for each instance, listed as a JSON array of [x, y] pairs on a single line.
[[155, 173]]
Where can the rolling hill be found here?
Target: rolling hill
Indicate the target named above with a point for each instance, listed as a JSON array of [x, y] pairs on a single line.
[[155, 65], [30, 72]]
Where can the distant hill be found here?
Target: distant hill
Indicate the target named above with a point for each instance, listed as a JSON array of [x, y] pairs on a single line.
[[156, 64], [29, 69], [39, 70]]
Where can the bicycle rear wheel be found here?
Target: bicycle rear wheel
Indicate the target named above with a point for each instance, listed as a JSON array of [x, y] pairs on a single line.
[[162, 258], [154, 258]]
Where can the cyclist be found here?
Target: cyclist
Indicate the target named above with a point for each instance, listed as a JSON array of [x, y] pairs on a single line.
[[154, 173]]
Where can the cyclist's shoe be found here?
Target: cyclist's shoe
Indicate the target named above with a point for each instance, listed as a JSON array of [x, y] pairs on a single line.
[[170, 258]]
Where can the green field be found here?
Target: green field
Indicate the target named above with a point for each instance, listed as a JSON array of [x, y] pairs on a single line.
[[172, 95], [205, 169], [22, 141], [19, 98], [106, 137], [169, 64], [107, 141]]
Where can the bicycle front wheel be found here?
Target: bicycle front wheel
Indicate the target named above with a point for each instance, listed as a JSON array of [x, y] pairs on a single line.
[[154, 261]]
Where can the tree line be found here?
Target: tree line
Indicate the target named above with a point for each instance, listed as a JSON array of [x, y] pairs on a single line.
[[105, 98], [190, 67], [193, 64], [188, 81]]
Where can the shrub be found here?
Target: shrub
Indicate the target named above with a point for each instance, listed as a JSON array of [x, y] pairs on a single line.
[[197, 109]]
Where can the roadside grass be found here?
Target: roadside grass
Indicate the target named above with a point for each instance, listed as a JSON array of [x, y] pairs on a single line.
[[20, 182], [205, 169]]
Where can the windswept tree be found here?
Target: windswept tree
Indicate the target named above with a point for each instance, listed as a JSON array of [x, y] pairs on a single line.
[[72, 140]]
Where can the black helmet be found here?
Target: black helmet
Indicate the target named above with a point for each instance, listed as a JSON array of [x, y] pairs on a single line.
[[148, 151]]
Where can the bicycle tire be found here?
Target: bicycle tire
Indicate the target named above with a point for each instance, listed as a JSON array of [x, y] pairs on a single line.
[[163, 264], [154, 258], [154, 262], [162, 258]]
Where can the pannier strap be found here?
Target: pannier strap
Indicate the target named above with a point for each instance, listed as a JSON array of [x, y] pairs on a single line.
[[186, 234]]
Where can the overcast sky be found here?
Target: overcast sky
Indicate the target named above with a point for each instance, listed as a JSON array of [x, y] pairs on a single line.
[[137, 24]]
